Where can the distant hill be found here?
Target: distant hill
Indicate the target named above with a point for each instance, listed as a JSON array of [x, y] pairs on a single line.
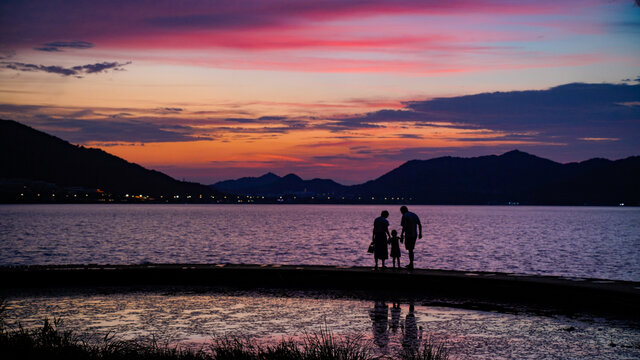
[[511, 177], [30, 155], [273, 185]]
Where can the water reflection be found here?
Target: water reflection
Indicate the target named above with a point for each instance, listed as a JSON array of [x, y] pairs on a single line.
[[380, 318], [395, 317], [191, 315], [411, 337], [386, 322]]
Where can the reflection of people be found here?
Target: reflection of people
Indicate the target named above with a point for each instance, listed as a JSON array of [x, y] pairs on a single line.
[[410, 223], [395, 248], [410, 336], [380, 235], [395, 317], [380, 318]]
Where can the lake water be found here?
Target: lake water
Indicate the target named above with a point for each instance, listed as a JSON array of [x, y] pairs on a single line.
[[592, 242], [595, 242], [194, 316]]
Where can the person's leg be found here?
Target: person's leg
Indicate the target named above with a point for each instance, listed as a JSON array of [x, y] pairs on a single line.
[[383, 263], [409, 244], [376, 263]]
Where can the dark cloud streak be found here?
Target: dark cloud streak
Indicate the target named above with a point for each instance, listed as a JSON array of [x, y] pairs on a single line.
[[59, 46], [77, 71]]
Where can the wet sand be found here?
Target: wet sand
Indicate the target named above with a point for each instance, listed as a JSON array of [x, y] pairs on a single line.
[[621, 298]]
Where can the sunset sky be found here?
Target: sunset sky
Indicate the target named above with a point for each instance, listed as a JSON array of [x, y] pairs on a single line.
[[348, 90]]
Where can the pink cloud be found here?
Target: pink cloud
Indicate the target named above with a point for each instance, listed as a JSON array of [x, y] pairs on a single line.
[[33, 22], [420, 66], [338, 36]]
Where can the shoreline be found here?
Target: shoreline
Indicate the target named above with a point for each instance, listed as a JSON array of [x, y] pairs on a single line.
[[614, 297], [360, 203]]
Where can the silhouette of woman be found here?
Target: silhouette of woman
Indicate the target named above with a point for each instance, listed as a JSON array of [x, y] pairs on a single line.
[[380, 236]]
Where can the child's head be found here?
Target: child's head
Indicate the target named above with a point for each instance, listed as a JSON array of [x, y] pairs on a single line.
[[394, 233]]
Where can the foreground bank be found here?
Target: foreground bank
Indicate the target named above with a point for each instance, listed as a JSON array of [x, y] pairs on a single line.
[[566, 294]]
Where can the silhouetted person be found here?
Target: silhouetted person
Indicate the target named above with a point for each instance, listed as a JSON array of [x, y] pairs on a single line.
[[410, 336], [380, 319], [380, 236], [395, 317], [394, 240], [410, 224]]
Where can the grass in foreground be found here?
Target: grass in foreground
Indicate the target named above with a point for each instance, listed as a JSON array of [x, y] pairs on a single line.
[[49, 342]]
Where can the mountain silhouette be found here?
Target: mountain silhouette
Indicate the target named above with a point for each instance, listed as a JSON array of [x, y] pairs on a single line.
[[513, 177], [31, 155], [239, 186], [273, 185]]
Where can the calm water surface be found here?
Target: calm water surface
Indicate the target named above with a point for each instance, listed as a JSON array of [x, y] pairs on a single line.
[[195, 316], [593, 242]]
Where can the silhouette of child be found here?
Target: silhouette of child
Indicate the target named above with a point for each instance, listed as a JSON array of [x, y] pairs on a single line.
[[394, 240]]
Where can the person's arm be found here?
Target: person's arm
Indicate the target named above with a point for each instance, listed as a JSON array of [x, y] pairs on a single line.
[[420, 228]]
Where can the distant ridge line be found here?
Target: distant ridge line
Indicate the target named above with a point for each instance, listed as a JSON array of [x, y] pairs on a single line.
[[514, 177]]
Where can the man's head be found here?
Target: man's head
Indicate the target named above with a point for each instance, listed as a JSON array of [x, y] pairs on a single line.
[[404, 210], [384, 214]]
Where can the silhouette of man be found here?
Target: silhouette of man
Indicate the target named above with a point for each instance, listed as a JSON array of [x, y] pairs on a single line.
[[410, 224]]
